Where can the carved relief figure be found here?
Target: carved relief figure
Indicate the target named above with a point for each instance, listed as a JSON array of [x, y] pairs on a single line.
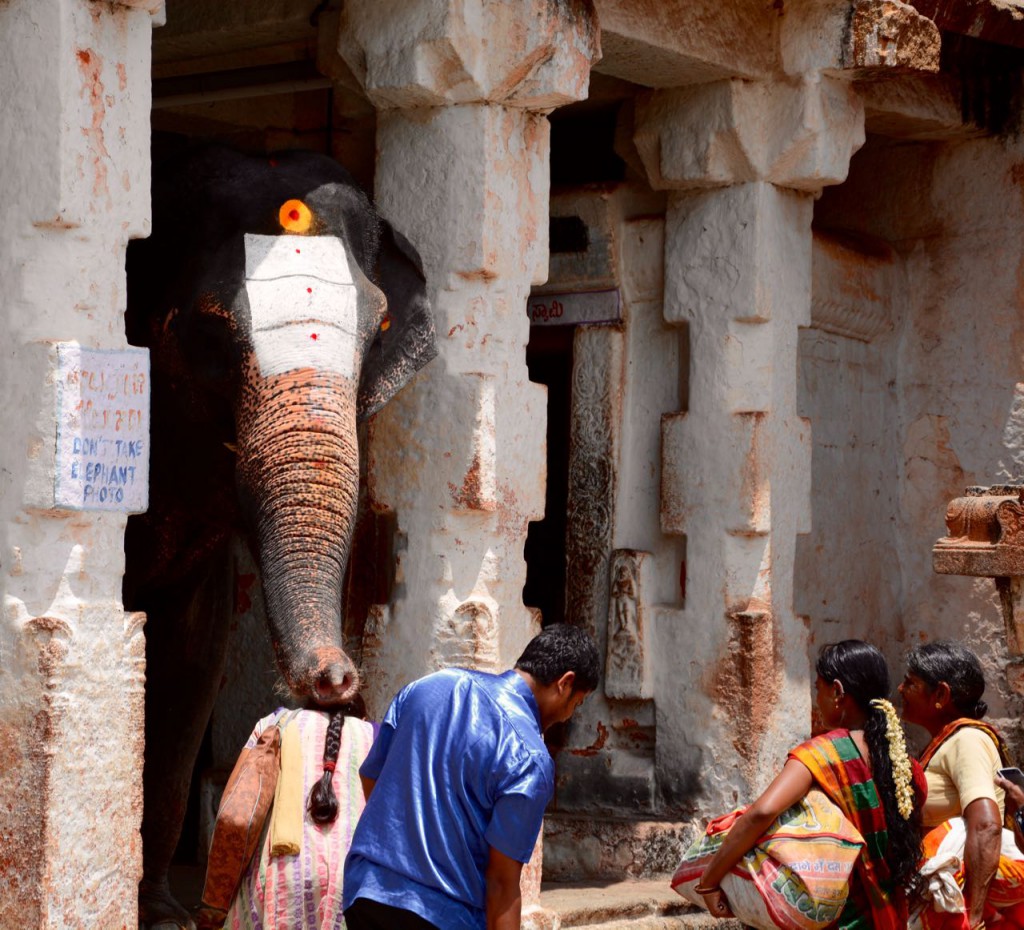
[[470, 640], [624, 676], [279, 309]]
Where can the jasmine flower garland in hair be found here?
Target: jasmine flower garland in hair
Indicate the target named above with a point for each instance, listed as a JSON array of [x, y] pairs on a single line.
[[902, 775]]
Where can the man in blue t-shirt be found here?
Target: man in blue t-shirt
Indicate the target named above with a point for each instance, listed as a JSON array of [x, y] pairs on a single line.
[[460, 777]]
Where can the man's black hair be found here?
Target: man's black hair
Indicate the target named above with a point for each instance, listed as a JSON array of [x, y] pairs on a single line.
[[558, 649]]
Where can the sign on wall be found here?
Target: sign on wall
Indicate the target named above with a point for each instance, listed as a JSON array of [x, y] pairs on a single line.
[[102, 429], [573, 308]]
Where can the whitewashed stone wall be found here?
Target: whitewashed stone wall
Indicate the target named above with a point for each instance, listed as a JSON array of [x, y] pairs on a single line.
[[75, 186], [961, 410], [920, 411]]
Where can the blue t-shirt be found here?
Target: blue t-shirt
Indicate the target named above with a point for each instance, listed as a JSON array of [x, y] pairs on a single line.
[[460, 765]]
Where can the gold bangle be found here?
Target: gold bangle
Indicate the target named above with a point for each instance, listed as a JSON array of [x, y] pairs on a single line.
[[701, 890]]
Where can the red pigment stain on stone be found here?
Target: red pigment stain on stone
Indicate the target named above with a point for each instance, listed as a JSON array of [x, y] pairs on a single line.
[[313, 336], [90, 65], [597, 745], [309, 290]]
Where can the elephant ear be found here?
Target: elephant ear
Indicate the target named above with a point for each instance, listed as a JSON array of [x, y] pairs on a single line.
[[408, 342]]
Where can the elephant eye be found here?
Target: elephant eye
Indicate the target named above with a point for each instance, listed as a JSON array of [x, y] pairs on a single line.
[[295, 216]]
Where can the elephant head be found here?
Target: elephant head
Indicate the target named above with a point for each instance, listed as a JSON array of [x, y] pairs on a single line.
[[279, 309]]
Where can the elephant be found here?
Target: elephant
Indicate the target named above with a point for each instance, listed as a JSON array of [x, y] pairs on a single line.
[[279, 309]]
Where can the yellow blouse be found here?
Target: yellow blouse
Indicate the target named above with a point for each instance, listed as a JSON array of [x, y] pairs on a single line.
[[962, 770]]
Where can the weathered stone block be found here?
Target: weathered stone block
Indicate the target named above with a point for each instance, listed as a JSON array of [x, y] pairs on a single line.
[[76, 134], [428, 53], [797, 134], [742, 254], [470, 186], [731, 479], [865, 35]]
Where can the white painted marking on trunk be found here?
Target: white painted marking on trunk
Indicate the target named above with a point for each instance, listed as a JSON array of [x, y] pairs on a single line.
[[302, 303]]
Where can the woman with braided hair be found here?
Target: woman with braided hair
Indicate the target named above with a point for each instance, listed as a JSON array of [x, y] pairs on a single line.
[[294, 882], [861, 764]]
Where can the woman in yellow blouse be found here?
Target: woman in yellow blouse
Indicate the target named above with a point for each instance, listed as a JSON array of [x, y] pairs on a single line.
[[942, 692]]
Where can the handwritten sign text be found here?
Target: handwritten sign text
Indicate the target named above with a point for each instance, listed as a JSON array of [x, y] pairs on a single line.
[[102, 429]]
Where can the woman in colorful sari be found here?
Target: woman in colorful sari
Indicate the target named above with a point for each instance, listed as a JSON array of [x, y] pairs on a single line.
[[295, 879], [942, 692], [862, 765]]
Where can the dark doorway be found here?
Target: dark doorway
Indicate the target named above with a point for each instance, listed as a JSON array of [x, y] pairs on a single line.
[[549, 359]]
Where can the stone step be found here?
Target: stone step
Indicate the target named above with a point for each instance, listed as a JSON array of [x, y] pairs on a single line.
[[642, 904]]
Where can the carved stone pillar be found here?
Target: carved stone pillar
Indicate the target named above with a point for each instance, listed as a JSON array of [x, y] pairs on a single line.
[[462, 170], [74, 140], [742, 161]]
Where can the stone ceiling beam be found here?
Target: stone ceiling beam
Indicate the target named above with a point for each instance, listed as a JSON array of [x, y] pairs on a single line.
[[919, 107], [211, 35], [999, 21], [669, 43]]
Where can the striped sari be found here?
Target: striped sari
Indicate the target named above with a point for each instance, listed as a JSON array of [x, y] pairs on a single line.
[[303, 891], [840, 771]]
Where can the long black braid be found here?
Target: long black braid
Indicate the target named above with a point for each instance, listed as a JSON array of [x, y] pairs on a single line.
[[323, 804], [864, 675]]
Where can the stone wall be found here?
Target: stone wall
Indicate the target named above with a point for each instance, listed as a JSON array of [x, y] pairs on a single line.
[[938, 407]]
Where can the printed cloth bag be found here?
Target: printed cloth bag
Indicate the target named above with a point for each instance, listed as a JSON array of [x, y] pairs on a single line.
[[797, 877]]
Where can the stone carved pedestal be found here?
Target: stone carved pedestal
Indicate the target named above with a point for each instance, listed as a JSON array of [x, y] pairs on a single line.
[[986, 539]]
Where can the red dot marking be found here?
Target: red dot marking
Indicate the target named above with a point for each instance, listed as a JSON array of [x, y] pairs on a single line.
[[309, 290], [297, 251], [293, 215], [313, 336]]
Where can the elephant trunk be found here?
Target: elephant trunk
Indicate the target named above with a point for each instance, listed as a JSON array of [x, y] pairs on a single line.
[[299, 482]]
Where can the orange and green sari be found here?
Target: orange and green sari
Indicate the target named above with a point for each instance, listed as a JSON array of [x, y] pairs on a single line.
[[844, 776], [1005, 896]]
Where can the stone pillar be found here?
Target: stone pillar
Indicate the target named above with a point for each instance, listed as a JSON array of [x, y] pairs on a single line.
[[462, 170], [74, 144], [742, 161]]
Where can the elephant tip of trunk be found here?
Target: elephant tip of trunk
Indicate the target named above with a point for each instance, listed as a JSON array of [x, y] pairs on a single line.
[[336, 684]]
